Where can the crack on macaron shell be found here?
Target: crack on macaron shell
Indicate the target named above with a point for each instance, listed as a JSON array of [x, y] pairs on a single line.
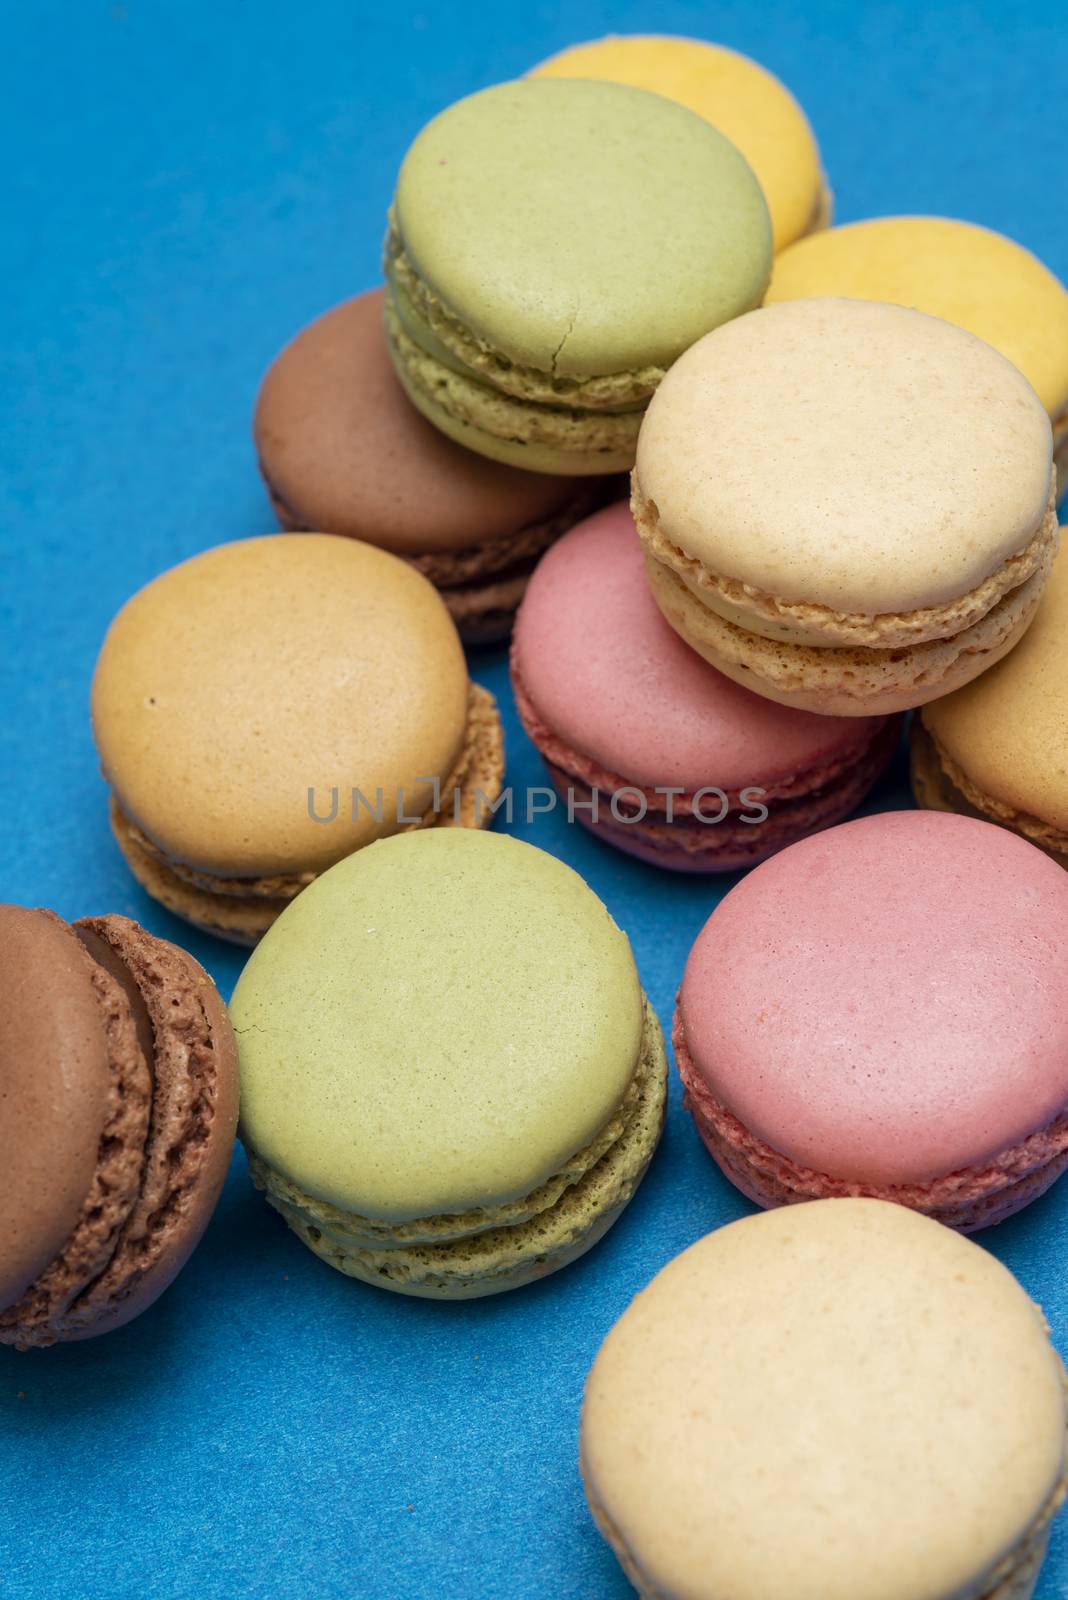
[[842, 680], [191, 1110], [813, 625], [940, 784], [605, 440], [493, 1258], [419, 311], [33, 1319], [970, 1198], [242, 909]]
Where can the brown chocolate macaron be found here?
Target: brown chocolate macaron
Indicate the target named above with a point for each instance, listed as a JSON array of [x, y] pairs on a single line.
[[343, 450], [118, 1107]]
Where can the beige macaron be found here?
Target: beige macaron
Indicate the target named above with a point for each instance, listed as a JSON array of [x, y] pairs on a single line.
[[998, 748], [969, 275], [846, 506], [841, 1400], [272, 705]]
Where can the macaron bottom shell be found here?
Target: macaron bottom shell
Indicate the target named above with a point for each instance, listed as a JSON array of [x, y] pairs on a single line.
[[490, 1259], [685, 843], [845, 681], [241, 910], [973, 1198], [1015, 1579], [938, 786], [537, 437]]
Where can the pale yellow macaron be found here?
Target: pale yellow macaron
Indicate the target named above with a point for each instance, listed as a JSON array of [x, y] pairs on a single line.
[[969, 275], [835, 1401], [998, 748], [738, 96], [846, 506]]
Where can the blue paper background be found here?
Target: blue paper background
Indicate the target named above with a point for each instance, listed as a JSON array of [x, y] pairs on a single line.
[[186, 184]]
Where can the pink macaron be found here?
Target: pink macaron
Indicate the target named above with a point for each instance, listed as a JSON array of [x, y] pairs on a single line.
[[883, 1011], [652, 748]]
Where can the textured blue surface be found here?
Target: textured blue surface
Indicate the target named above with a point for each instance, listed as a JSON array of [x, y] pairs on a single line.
[[187, 183]]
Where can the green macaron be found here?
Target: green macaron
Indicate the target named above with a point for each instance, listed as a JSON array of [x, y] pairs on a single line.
[[554, 245], [451, 1081]]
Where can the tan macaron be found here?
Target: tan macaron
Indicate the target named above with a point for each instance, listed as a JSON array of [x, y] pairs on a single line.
[[846, 506], [272, 705], [998, 748], [841, 1400]]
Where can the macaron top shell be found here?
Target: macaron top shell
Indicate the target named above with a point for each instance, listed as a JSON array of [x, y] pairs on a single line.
[[582, 228], [885, 1002], [56, 1086], [1008, 730], [236, 682], [969, 275], [841, 1399], [435, 1025], [614, 681], [853, 455], [742, 99], [345, 451]]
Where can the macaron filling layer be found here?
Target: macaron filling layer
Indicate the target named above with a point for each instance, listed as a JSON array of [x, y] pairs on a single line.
[[940, 783], [242, 908], [490, 1248], [806, 623], [165, 1145], [973, 1197]]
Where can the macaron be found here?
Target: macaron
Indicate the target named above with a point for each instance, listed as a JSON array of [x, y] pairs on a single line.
[[998, 748], [747, 103], [846, 506], [119, 1110], [343, 450], [881, 1010], [844, 1401], [478, 1108], [269, 706], [553, 246], [969, 275], [652, 748]]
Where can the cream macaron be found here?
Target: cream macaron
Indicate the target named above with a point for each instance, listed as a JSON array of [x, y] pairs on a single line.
[[272, 705], [846, 506], [969, 275], [998, 748], [841, 1400], [737, 95]]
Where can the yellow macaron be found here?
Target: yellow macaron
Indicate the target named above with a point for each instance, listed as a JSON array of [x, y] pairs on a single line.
[[965, 274], [738, 96], [998, 748]]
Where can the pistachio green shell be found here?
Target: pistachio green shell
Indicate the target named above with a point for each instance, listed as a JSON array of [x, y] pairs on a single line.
[[581, 228], [439, 1023]]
